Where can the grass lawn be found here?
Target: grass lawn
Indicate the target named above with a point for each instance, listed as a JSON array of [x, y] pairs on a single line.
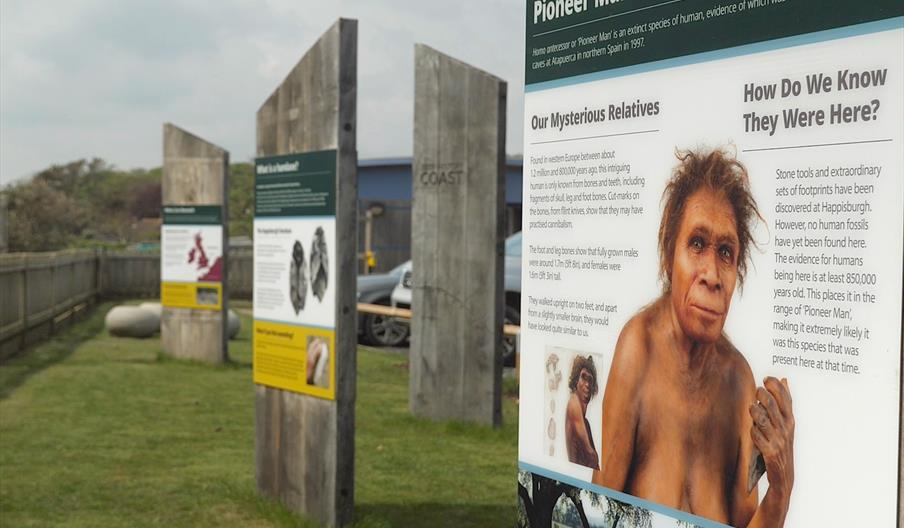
[[102, 431]]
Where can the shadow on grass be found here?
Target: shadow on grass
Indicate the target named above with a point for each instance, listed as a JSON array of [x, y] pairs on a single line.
[[267, 508], [433, 515], [229, 364], [37, 357], [388, 515]]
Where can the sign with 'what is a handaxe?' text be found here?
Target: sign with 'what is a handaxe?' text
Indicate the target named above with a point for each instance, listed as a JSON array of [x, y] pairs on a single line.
[[295, 272]]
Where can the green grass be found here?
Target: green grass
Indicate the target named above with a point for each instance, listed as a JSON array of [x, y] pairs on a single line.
[[103, 431]]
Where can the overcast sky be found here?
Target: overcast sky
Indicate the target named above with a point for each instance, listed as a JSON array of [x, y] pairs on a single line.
[[98, 78]]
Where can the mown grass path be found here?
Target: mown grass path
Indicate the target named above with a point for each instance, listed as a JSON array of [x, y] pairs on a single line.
[[103, 431]]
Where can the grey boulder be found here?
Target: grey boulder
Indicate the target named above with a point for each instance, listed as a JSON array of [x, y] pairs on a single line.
[[132, 321]]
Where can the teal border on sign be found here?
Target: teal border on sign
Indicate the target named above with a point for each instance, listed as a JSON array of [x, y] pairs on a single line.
[[623, 497], [293, 323], [315, 176], [281, 218], [889, 24], [191, 215]]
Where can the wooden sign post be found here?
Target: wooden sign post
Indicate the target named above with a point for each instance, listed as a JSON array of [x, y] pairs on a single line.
[[194, 247], [305, 233]]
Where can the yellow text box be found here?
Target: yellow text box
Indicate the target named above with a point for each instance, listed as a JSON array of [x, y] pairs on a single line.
[[196, 295], [295, 358]]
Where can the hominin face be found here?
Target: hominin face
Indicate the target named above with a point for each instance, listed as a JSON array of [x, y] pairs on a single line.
[[704, 266]]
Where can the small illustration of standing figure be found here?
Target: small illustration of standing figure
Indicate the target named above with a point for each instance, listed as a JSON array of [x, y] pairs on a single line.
[[298, 283], [578, 436], [319, 264]]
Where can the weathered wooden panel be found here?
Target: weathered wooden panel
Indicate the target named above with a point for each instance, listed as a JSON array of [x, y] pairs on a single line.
[[304, 446], [4, 223], [129, 274], [241, 273], [38, 290], [196, 172], [457, 240]]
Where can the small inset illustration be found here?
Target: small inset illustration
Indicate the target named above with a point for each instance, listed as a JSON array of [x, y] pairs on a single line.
[[553, 379], [568, 431], [318, 360], [298, 282], [319, 265], [207, 296]]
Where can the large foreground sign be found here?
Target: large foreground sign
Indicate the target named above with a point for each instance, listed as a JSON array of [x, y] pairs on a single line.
[[712, 289], [295, 272]]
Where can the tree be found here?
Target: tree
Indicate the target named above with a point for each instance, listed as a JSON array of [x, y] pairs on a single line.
[[622, 515], [42, 218], [241, 199], [91, 203], [575, 495], [541, 501], [146, 200], [70, 178]]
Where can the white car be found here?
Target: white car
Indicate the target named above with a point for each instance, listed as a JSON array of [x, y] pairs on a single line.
[[375, 329], [401, 294]]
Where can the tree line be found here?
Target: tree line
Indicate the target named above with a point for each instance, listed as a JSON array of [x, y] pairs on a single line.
[[92, 204]]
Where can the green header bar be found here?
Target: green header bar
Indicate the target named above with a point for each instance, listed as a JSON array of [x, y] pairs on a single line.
[[575, 37], [192, 214], [295, 185]]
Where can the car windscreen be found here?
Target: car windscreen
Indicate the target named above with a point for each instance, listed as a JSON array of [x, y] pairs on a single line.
[[513, 245]]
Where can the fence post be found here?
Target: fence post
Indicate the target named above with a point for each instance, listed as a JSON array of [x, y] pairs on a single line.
[[53, 306], [100, 258], [24, 298]]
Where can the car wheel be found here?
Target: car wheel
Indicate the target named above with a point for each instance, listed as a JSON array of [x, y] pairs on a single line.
[[512, 317], [381, 330]]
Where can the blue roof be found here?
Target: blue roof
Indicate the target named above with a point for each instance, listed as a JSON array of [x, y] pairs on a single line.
[[390, 179]]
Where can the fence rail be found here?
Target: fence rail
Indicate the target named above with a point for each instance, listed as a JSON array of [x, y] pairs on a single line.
[[38, 291], [404, 313]]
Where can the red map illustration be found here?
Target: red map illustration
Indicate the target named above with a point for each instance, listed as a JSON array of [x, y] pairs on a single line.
[[197, 256]]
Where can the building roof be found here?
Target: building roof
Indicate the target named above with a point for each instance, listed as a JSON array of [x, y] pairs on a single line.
[[390, 179]]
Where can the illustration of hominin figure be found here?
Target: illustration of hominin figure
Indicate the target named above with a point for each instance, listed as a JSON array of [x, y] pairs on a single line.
[[578, 437], [553, 379], [684, 422], [298, 282], [319, 264]]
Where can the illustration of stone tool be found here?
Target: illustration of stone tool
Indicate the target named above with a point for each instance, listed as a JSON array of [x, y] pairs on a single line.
[[319, 264], [756, 469], [298, 282]]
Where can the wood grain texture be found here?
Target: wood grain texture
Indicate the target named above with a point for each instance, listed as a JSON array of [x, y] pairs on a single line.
[[457, 240], [304, 446], [196, 172], [40, 290]]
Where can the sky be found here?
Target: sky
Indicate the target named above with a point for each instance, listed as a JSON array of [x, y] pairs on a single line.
[[98, 78]]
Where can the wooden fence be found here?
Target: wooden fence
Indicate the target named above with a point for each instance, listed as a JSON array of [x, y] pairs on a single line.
[[40, 291]]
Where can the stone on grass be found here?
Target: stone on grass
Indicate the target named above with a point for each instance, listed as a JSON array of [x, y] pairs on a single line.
[[131, 321], [155, 307], [235, 324]]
